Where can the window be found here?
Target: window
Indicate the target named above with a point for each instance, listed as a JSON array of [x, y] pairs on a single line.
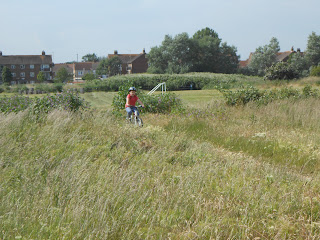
[[13, 82], [32, 82], [22, 74], [80, 73], [31, 66], [13, 74], [31, 74], [44, 66], [22, 66], [13, 66]]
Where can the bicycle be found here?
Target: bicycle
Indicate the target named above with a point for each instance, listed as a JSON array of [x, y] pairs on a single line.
[[135, 119]]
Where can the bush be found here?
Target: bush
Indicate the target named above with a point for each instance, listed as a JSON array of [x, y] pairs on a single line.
[[251, 94], [281, 70], [157, 103], [69, 101], [315, 71]]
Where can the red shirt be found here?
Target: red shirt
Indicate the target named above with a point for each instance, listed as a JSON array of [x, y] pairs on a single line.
[[132, 100]]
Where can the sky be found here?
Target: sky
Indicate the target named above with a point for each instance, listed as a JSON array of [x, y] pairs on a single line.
[[70, 29]]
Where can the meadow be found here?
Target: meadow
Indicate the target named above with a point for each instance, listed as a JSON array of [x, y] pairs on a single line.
[[212, 172]]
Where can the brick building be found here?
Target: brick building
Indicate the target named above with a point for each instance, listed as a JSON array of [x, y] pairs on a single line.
[[132, 63], [25, 68]]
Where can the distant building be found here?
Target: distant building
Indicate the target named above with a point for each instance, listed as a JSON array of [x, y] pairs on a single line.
[[25, 68], [281, 57], [132, 63], [78, 69]]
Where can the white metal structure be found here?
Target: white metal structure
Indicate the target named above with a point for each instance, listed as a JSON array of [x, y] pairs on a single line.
[[163, 88]]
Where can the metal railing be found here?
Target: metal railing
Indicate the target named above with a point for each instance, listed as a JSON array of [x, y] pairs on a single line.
[[163, 88]]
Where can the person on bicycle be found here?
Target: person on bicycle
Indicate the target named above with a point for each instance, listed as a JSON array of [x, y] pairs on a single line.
[[132, 98]]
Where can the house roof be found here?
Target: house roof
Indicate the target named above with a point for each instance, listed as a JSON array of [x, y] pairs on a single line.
[[84, 65], [126, 58], [283, 55], [58, 66], [26, 59]]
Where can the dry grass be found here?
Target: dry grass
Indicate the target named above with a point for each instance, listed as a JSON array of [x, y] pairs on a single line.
[[90, 176]]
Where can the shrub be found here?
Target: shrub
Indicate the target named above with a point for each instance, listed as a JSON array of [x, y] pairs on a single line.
[[315, 71], [281, 70], [69, 101], [251, 94], [242, 96], [157, 103]]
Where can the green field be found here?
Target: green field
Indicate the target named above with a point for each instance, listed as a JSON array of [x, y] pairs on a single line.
[[215, 172]]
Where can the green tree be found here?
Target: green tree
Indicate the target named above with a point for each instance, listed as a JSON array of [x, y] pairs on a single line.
[[63, 75], [41, 77], [201, 53], [89, 76], [264, 57], [207, 44], [109, 66], [299, 62], [6, 75], [90, 58], [313, 49]]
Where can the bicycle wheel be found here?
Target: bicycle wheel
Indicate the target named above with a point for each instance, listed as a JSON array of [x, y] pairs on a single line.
[[139, 122]]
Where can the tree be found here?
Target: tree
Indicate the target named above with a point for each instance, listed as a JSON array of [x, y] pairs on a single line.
[[90, 58], [298, 62], [201, 53], [89, 76], [110, 66], [313, 49], [41, 77], [6, 75], [63, 75], [264, 57]]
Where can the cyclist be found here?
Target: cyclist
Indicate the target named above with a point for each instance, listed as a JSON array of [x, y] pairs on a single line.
[[132, 98]]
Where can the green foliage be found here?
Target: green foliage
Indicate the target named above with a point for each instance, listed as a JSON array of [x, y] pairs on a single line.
[[41, 77], [173, 81], [201, 53], [281, 71], [63, 75], [264, 57], [89, 76], [315, 71], [90, 58], [251, 94], [69, 101], [109, 66], [164, 103], [313, 49], [6, 75]]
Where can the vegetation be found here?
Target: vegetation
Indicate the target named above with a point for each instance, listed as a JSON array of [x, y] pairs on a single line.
[[109, 66], [315, 71], [281, 71], [214, 172], [69, 101], [90, 58], [164, 103], [63, 76], [204, 52], [6, 75], [41, 77]]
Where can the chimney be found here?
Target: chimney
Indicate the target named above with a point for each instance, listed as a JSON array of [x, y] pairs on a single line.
[[0, 53], [43, 53], [292, 49], [144, 51], [115, 52], [298, 50]]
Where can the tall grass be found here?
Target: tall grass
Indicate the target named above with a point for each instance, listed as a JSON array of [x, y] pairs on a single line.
[[90, 176]]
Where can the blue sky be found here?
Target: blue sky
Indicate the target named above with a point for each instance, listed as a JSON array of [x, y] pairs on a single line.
[[69, 29]]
